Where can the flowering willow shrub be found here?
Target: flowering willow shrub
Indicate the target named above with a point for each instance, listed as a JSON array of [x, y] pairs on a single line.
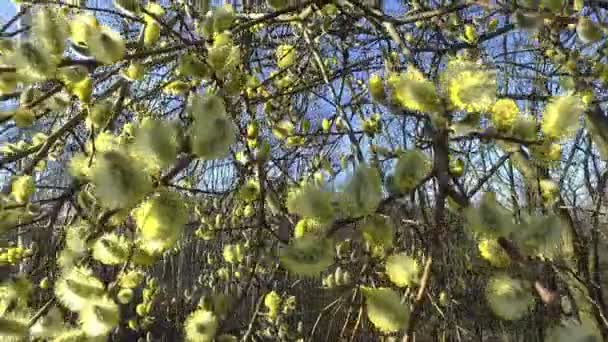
[[192, 172]]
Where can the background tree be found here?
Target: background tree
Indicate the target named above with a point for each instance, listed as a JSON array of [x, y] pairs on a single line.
[[428, 171]]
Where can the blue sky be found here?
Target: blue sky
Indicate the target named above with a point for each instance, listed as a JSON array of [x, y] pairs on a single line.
[[7, 10]]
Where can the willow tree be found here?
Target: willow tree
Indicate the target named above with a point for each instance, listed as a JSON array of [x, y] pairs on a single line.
[[418, 170]]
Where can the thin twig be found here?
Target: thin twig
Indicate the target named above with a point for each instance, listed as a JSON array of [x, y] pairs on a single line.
[[417, 307]]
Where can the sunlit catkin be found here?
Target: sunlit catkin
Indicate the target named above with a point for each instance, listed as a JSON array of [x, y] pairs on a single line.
[[384, 309], [223, 16], [561, 116], [378, 232], [13, 327], [412, 167], [76, 287], [402, 270], [584, 329], [151, 33], [376, 87], [489, 219], [106, 45], [34, 62], [363, 193], [82, 28], [190, 65], [111, 249], [22, 188], [212, 131], [99, 316], [119, 181], [469, 86], [135, 71], [8, 82], [82, 89], [277, 4], [100, 113], [504, 114], [588, 31], [201, 326], [51, 28], [272, 301], [509, 298], [311, 201], [285, 55], [490, 250], [414, 92], [156, 143], [308, 255], [160, 220], [308, 226], [153, 11]]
